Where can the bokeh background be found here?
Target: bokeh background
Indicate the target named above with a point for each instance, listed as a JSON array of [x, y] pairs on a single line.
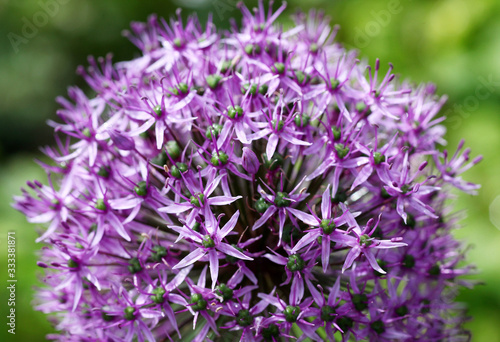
[[453, 43]]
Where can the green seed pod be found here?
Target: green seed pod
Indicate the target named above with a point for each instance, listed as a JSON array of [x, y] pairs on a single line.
[[129, 313], [295, 263], [141, 189]]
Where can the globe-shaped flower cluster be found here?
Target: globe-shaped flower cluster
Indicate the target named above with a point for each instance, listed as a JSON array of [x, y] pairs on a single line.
[[253, 185]]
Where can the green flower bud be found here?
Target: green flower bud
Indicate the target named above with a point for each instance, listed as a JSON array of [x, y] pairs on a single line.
[[405, 188], [160, 159], [173, 149], [249, 49], [198, 302], [177, 169], [263, 88], [141, 189], [225, 292], [378, 158], [213, 130], [360, 107], [72, 263], [183, 88], [342, 150], [226, 65], [219, 159], [158, 252], [378, 326], [345, 323], [197, 200], [279, 68], [275, 162], [271, 333], [106, 317], [301, 77], [173, 91], [327, 313], [177, 42], [252, 89], [426, 306], [134, 266], [295, 263], [158, 295], [129, 313], [86, 132], [291, 232], [365, 240], [103, 172], [302, 120], [360, 301], [408, 261], [208, 242], [335, 84], [157, 109], [234, 112], [328, 226], [261, 205], [280, 199], [100, 205], [336, 132], [213, 81], [182, 167], [291, 313], [280, 126], [402, 310], [244, 318], [435, 270]]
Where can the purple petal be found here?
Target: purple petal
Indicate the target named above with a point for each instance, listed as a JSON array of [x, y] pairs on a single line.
[[250, 162], [229, 226], [325, 252], [373, 262], [271, 145], [351, 256], [305, 240], [282, 217], [291, 139], [222, 200], [121, 141], [326, 203], [277, 259], [117, 224], [230, 250], [319, 299], [213, 185], [306, 218], [214, 266], [297, 290], [334, 292], [191, 258], [362, 176], [269, 212]]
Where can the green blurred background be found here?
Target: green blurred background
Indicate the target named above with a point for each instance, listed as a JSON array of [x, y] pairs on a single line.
[[453, 43]]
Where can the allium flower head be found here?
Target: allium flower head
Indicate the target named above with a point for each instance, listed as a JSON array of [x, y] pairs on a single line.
[[256, 185]]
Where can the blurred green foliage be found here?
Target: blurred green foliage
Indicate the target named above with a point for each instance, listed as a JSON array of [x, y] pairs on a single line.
[[452, 43]]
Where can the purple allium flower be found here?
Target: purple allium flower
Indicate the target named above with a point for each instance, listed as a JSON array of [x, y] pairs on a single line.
[[253, 185]]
